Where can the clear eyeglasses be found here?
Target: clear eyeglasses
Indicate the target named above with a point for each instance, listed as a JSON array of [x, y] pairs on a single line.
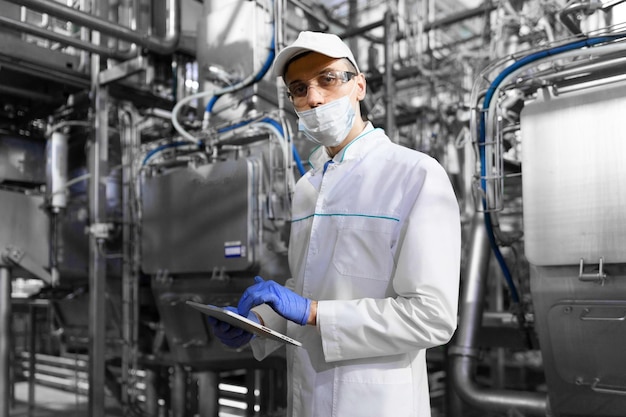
[[327, 81]]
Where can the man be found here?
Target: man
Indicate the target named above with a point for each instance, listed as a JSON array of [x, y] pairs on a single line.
[[374, 253]]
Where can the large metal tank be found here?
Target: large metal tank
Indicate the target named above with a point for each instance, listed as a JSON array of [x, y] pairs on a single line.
[[574, 196]]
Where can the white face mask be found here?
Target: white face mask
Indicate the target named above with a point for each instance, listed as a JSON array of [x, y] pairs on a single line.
[[329, 124]]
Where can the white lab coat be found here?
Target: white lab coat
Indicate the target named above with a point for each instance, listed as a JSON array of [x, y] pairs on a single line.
[[376, 240]]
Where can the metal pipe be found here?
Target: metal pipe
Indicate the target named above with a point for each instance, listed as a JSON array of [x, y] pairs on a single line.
[[98, 164], [179, 391], [461, 16], [308, 10], [22, 92], [208, 385], [65, 40], [606, 5], [390, 104], [5, 339], [151, 392], [578, 70], [32, 325], [528, 403], [363, 29], [128, 135], [163, 46], [474, 289], [463, 352], [436, 24]]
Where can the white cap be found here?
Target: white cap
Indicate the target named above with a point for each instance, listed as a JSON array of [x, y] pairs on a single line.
[[323, 43]]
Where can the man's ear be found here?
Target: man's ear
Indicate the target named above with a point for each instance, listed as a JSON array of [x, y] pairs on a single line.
[[361, 86]]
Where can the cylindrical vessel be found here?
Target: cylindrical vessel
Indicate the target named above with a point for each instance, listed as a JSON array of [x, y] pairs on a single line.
[[57, 170]]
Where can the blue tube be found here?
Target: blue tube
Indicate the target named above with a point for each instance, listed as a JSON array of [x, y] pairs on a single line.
[[163, 147], [294, 151], [296, 157], [487, 101], [278, 126]]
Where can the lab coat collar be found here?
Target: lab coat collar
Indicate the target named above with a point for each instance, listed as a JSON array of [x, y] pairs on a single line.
[[353, 150]]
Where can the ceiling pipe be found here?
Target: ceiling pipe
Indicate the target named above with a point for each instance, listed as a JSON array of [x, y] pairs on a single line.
[[428, 26], [453, 18], [63, 39], [163, 46]]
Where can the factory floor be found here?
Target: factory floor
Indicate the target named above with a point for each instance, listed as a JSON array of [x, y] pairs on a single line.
[[51, 402]]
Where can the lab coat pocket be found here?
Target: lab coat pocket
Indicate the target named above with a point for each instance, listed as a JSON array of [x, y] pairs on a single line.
[[375, 389], [364, 249]]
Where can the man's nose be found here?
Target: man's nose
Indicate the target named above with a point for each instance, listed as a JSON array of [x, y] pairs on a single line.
[[314, 97]]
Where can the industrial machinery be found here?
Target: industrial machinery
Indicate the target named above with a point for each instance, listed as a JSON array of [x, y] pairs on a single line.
[[148, 157]]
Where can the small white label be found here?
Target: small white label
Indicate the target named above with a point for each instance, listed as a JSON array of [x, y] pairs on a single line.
[[234, 250]]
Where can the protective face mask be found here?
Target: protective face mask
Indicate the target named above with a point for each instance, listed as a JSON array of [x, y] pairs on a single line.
[[329, 124]]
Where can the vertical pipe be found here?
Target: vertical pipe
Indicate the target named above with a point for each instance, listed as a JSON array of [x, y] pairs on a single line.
[[97, 263], [474, 286], [57, 157], [98, 161], [127, 347], [208, 389], [31, 358], [251, 387], [390, 35], [5, 339], [464, 347], [130, 296], [353, 22], [256, 391], [151, 393], [470, 304], [179, 391]]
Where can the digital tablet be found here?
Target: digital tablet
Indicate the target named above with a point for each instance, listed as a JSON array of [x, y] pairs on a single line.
[[242, 322]]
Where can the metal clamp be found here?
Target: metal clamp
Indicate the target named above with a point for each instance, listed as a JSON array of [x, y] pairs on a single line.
[[587, 277], [101, 230]]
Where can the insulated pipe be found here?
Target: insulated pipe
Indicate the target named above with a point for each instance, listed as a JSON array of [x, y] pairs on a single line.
[[390, 103], [5, 339], [129, 137], [463, 352], [162, 46]]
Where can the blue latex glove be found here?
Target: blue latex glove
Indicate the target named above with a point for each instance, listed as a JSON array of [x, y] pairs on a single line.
[[285, 302], [231, 336]]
